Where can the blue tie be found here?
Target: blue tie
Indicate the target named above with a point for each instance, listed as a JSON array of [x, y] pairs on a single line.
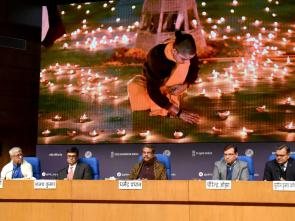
[[17, 173], [229, 172]]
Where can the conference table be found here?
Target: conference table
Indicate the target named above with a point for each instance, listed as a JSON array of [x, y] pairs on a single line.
[[179, 200]]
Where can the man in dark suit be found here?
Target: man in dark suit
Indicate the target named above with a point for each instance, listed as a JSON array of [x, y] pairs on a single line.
[[281, 168], [75, 170]]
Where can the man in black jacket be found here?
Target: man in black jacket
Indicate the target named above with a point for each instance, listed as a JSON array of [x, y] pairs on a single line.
[[169, 70], [75, 170], [281, 168]]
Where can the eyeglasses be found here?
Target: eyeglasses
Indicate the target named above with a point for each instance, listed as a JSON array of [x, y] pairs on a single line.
[[228, 154], [281, 155], [149, 153], [18, 155], [71, 156]]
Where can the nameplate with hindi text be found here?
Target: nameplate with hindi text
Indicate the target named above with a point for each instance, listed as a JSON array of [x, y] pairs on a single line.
[[130, 184], [283, 185], [218, 184], [45, 184]]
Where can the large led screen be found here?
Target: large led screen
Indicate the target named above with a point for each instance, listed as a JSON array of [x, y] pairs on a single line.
[[244, 90]]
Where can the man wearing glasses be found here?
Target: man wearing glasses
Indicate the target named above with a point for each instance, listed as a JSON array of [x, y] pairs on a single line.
[[148, 168], [17, 168], [230, 168], [75, 170], [169, 70], [282, 167]]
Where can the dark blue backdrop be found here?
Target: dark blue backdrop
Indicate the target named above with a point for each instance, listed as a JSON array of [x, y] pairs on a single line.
[[188, 161]]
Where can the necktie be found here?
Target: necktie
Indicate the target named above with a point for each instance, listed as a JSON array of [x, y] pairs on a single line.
[[229, 172], [70, 173]]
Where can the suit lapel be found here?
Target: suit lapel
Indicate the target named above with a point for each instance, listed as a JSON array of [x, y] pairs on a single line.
[[236, 171], [289, 170], [223, 170], [77, 172]]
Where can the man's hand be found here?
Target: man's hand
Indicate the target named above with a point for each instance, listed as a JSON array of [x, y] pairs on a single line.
[[189, 117], [177, 89]]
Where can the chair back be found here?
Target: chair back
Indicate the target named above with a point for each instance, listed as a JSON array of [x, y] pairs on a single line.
[[36, 165], [94, 165], [250, 162]]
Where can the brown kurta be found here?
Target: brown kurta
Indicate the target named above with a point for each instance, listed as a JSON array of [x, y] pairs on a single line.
[[159, 171]]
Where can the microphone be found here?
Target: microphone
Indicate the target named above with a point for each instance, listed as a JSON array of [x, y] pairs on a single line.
[[9, 172]]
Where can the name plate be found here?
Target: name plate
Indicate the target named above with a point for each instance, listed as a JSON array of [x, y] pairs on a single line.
[[283, 185], [45, 184], [130, 184], [1, 184], [218, 184]]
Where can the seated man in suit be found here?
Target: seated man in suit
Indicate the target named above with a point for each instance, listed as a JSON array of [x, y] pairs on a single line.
[[75, 170], [148, 168], [17, 168], [281, 168], [230, 168]]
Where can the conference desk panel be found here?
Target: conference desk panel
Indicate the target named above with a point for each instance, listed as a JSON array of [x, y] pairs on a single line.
[[247, 200], [134, 211], [24, 190], [158, 200], [251, 192], [155, 191], [20, 201]]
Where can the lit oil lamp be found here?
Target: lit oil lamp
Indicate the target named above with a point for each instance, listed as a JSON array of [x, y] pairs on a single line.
[[244, 132], [84, 118], [145, 134], [121, 132], [72, 133], [290, 127], [57, 118], [219, 93], [178, 134], [261, 109], [203, 93], [216, 131], [288, 101], [93, 133], [198, 81], [46, 133], [223, 115]]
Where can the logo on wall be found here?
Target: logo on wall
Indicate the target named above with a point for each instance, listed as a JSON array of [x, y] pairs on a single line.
[[249, 152], [201, 153], [55, 154], [88, 154], [119, 174], [167, 153], [193, 153], [202, 174], [44, 174], [112, 154]]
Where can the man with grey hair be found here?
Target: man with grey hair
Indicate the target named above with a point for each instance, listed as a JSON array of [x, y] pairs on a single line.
[[17, 168]]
